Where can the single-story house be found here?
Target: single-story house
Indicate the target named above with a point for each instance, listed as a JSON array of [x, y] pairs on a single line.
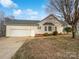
[[22, 28]]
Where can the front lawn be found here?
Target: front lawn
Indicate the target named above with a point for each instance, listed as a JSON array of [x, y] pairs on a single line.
[[51, 47]]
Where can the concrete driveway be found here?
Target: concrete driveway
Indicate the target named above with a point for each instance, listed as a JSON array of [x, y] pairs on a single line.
[[8, 46]]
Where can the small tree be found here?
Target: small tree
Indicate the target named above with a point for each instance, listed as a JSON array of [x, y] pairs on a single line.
[[68, 9]]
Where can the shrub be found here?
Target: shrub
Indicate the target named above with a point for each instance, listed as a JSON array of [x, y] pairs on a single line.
[[55, 33], [46, 34]]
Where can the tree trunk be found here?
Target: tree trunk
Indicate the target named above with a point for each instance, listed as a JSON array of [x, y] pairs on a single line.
[[73, 31]]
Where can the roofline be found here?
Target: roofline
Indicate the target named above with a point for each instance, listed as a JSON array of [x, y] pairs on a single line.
[[50, 15], [21, 25], [25, 20], [39, 20]]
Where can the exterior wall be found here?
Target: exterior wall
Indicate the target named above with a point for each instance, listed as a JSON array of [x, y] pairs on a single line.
[[60, 29], [10, 27], [42, 30], [51, 20]]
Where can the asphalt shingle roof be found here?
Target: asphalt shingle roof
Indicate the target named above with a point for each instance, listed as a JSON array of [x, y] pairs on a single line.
[[22, 22]]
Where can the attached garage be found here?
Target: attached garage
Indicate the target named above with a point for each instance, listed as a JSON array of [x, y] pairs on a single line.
[[21, 29]]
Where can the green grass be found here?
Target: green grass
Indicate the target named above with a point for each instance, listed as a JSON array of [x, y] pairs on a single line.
[[51, 47]]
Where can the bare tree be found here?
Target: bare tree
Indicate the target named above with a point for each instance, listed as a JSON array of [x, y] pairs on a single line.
[[68, 9]]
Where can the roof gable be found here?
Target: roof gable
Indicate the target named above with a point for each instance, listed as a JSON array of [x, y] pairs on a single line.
[[51, 16]]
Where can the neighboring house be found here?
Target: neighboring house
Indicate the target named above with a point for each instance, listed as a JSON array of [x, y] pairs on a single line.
[[22, 28]]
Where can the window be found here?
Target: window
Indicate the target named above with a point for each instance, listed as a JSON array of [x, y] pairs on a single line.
[[49, 28], [45, 28]]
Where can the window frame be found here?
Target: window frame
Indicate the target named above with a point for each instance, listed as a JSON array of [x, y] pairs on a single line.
[[49, 28], [45, 28]]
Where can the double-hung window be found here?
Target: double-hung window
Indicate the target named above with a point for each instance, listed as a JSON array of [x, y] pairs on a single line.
[[49, 28]]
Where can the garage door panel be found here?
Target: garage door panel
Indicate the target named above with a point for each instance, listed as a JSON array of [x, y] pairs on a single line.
[[18, 33], [21, 33]]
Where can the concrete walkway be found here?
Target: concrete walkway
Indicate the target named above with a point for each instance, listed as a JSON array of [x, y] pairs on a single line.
[[8, 46]]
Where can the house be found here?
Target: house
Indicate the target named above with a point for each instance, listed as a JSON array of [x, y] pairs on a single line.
[[23, 28]]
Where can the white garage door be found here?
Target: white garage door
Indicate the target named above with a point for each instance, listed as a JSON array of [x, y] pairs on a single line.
[[22, 33]]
